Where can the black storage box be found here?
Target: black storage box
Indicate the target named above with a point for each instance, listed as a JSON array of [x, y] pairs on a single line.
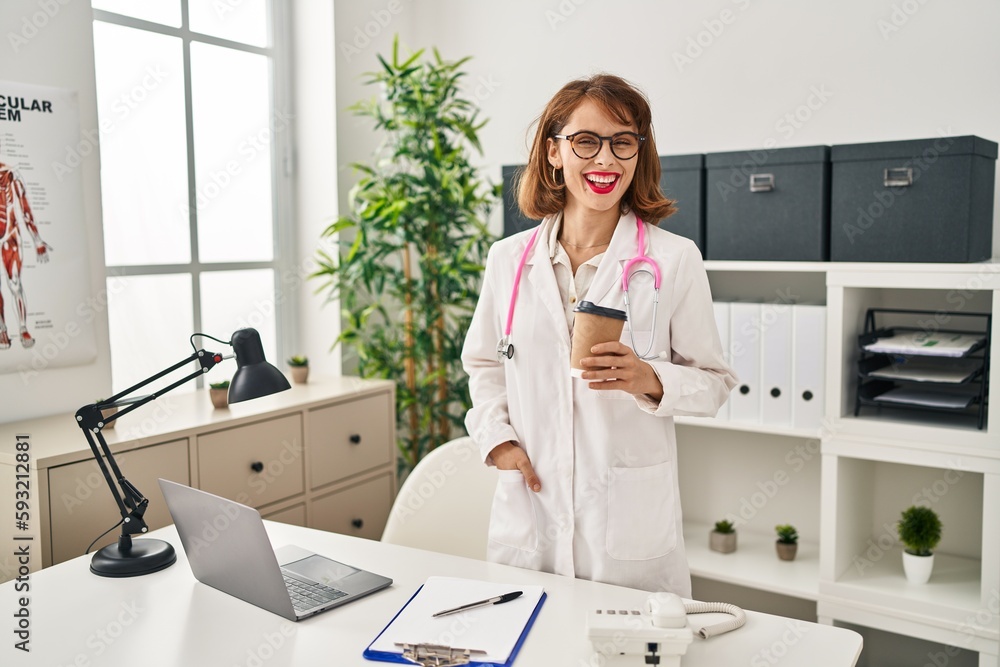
[[682, 179], [926, 200], [768, 204], [513, 220]]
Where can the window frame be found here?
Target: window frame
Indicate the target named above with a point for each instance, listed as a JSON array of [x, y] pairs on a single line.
[[283, 227]]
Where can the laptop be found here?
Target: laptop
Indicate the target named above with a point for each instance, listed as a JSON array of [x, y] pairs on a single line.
[[229, 550]]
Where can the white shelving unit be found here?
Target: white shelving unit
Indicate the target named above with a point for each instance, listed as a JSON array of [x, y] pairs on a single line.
[[844, 483]]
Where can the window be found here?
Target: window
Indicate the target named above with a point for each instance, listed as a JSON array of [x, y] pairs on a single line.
[[194, 134]]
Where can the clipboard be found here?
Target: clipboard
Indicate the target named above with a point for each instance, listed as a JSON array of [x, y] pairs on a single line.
[[403, 633]]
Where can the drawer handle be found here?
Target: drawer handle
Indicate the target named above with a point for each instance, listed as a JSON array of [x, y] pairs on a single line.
[[761, 182], [775, 392], [355, 439], [257, 466], [898, 177], [357, 523], [744, 389], [807, 395]]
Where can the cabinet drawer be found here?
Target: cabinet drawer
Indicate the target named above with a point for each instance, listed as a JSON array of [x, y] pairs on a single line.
[[254, 464], [82, 507], [349, 438], [295, 515], [360, 510]]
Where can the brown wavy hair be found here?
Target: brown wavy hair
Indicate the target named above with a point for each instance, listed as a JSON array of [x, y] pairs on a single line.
[[538, 195]]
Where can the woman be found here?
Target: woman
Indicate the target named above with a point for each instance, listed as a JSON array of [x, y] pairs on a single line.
[[588, 467]]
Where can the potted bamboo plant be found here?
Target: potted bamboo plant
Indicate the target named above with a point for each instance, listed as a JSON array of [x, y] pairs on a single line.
[[413, 248], [723, 537], [787, 543], [919, 531]]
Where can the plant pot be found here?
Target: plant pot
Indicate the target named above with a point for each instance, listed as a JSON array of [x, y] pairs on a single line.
[[220, 397], [724, 543], [917, 568], [105, 415], [300, 374], [786, 551]]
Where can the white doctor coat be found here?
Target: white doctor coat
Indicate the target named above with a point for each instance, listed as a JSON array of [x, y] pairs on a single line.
[[609, 508]]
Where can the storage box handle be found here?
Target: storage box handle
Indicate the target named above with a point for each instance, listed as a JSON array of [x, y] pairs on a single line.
[[898, 177], [761, 182]]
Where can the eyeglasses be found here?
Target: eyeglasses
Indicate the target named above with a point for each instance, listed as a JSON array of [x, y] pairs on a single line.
[[586, 144]]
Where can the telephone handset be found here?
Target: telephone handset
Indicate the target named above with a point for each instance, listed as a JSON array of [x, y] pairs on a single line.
[[659, 631]]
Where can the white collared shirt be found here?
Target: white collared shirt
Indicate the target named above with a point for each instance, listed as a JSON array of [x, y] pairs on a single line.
[[572, 288]]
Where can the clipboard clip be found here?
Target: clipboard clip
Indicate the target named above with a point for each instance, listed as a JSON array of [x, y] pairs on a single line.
[[437, 655]]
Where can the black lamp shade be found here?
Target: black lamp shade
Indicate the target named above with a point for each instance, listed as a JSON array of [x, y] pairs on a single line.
[[254, 376]]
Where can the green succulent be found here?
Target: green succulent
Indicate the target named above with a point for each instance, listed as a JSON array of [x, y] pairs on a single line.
[[298, 361], [724, 527], [219, 385], [787, 534]]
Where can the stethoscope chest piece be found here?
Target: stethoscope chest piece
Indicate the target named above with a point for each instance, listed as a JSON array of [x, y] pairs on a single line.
[[505, 349]]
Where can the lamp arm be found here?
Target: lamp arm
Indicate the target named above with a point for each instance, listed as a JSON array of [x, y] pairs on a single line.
[[131, 503]]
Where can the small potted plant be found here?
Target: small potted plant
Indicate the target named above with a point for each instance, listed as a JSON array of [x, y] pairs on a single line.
[[300, 369], [106, 414], [723, 538], [919, 531], [788, 541], [219, 393]]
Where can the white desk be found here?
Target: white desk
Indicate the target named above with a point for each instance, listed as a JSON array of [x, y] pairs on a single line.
[[168, 618]]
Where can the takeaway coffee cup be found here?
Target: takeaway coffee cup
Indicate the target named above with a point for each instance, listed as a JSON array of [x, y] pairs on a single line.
[[593, 325]]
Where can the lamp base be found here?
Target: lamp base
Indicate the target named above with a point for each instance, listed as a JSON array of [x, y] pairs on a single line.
[[145, 557]]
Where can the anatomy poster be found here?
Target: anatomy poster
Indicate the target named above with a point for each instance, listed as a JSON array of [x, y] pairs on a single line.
[[46, 310]]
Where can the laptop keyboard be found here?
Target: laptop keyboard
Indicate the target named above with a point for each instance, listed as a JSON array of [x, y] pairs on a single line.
[[306, 595]]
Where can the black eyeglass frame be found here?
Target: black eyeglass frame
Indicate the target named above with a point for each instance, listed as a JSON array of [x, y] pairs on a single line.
[[600, 146]]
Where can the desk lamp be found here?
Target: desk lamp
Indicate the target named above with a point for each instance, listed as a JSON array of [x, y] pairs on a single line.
[[254, 378]]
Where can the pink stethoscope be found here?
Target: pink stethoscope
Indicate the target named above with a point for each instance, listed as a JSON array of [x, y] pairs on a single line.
[[505, 349]]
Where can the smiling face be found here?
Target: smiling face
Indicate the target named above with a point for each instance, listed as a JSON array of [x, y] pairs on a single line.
[[594, 186]]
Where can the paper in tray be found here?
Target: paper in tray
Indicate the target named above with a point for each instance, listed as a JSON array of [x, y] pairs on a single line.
[[927, 343]]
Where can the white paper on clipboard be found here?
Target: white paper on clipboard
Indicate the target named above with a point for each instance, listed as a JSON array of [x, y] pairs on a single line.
[[494, 629]]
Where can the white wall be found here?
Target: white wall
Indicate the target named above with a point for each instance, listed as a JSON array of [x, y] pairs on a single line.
[[58, 51], [315, 127], [873, 71]]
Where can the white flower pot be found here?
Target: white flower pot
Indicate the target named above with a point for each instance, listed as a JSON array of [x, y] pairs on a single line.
[[917, 568]]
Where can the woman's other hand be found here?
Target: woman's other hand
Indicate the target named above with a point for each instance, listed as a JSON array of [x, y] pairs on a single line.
[[508, 456]]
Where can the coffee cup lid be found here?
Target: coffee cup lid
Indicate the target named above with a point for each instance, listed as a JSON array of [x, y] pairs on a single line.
[[593, 309]]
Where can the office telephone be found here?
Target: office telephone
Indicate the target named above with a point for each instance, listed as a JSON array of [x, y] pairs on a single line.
[[658, 632]]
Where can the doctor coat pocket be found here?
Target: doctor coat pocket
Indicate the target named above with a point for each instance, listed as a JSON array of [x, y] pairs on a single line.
[[642, 518], [512, 519]]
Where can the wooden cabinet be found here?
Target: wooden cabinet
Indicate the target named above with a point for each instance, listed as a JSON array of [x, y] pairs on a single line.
[[341, 430], [81, 505]]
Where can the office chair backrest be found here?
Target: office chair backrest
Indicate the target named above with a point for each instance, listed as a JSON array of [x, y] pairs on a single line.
[[444, 504]]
